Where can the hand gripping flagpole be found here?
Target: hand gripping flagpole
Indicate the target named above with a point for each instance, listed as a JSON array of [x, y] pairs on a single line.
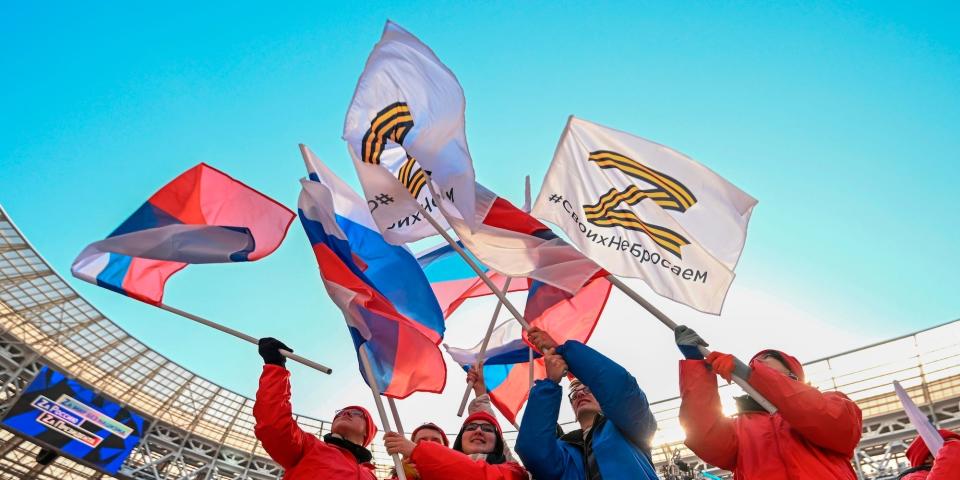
[[483, 347], [703, 350], [372, 381], [244, 336]]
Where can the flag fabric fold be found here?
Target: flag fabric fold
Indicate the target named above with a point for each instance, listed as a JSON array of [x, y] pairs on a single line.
[[564, 315], [506, 367], [643, 210], [387, 302], [404, 127], [454, 282], [513, 243], [202, 216]]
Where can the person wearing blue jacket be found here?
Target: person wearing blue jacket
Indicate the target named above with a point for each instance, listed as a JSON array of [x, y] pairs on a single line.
[[616, 424]]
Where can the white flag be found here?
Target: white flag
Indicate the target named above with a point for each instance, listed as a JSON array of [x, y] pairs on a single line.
[[405, 126], [641, 209]]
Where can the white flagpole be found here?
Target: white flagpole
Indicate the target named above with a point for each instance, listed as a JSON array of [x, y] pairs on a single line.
[[476, 269], [530, 365], [673, 326], [244, 336], [483, 346], [396, 415], [920, 422], [383, 414]]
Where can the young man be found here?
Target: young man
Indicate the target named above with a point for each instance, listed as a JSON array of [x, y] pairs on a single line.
[[812, 434], [341, 453], [616, 424], [946, 465], [428, 432]]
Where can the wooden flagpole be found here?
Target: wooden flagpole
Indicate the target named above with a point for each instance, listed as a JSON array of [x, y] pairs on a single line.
[[244, 336], [673, 326]]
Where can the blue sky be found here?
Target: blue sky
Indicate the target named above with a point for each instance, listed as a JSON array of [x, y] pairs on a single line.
[[841, 118]]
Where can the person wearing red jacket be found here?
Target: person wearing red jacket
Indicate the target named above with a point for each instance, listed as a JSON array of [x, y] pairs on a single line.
[[946, 465], [340, 455], [811, 436], [477, 453]]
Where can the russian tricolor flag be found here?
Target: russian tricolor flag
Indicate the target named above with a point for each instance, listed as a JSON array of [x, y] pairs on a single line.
[[202, 216], [513, 243], [506, 367], [386, 300], [565, 315], [454, 282]]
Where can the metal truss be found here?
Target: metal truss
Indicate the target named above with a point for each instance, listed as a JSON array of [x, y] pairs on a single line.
[[201, 431]]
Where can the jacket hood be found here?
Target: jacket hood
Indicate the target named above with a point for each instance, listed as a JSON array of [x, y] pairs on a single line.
[[371, 427], [918, 451], [791, 362]]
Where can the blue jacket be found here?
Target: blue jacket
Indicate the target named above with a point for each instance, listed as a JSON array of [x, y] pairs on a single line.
[[621, 441]]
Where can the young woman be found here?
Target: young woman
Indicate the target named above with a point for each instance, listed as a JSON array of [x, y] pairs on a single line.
[[477, 453]]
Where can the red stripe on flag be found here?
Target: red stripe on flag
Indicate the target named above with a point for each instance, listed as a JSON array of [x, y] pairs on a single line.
[[505, 215]]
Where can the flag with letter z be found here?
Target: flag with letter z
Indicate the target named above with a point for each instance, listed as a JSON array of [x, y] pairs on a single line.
[[641, 209], [405, 127]]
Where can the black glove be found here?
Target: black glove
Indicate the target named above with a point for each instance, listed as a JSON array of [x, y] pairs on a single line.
[[687, 342], [269, 349]]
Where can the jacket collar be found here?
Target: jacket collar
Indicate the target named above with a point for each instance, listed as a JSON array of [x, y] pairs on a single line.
[[360, 454]]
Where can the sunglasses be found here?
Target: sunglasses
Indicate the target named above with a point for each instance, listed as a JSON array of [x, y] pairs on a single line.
[[574, 393], [350, 412], [483, 427]]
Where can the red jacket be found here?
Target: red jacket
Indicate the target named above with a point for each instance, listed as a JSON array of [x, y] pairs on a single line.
[[436, 462], [946, 465], [302, 455], [812, 436]]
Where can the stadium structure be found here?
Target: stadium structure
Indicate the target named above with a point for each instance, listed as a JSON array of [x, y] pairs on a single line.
[[200, 430]]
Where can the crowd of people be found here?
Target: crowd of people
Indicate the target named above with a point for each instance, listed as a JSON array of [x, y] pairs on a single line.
[[811, 435]]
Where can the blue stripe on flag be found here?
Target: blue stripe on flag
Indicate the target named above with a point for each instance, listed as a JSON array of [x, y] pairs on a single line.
[[379, 351], [317, 234], [147, 216], [494, 375], [444, 263], [394, 272], [113, 274]]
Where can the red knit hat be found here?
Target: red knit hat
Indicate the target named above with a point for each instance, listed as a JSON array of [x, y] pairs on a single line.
[[918, 451], [371, 427], [789, 361], [481, 415], [434, 427]]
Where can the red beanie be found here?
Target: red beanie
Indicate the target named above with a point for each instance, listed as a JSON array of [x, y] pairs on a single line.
[[918, 451], [434, 427], [371, 428], [789, 361], [481, 415]]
